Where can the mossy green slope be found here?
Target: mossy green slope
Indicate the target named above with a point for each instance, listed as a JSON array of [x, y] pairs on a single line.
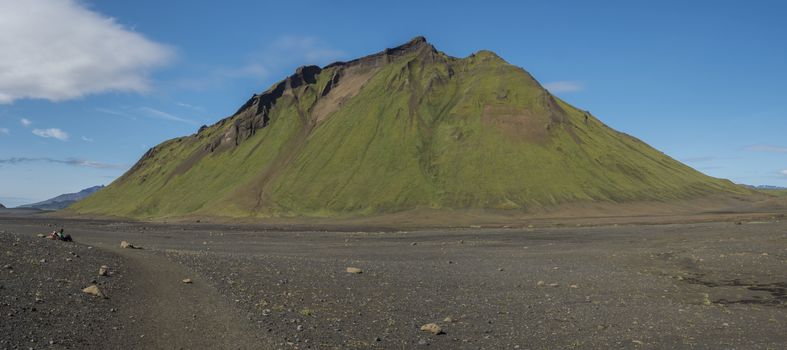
[[406, 128]]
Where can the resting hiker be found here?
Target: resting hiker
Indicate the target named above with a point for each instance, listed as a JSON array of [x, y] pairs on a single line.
[[59, 235]]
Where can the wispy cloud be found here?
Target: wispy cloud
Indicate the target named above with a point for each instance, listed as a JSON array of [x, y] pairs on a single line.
[[189, 106], [564, 86], [783, 173], [712, 167], [99, 54], [308, 48], [51, 133], [69, 161], [700, 159], [155, 113], [5, 131], [25, 122], [115, 113], [766, 149], [283, 53], [87, 139]]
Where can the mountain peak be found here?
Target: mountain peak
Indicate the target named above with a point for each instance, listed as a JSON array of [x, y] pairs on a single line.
[[413, 45], [419, 40]]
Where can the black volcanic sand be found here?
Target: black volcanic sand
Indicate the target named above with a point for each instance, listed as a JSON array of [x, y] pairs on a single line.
[[696, 286]]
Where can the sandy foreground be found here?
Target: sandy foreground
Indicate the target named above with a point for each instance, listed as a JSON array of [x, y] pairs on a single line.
[[712, 285]]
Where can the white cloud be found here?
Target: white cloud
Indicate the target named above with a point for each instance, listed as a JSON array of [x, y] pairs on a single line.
[[25, 122], [766, 149], [155, 113], [564, 86], [783, 172], [59, 50], [5, 131], [51, 132], [87, 139]]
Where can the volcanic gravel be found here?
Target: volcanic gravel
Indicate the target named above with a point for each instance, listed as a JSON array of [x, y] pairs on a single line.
[[684, 286], [41, 300]]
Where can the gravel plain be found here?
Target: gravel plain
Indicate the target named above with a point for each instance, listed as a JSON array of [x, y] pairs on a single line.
[[713, 285]]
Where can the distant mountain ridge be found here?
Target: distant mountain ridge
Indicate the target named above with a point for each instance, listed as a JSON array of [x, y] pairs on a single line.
[[64, 200], [768, 187]]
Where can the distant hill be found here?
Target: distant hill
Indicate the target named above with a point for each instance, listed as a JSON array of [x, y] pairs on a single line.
[[407, 128], [64, 200], [768, 187], [2, 206]]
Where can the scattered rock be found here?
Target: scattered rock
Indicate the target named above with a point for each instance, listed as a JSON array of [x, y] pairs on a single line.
[[41, 235], [126, 245], [573, 286], [187, 281], [544, 284], [414, 243], [93, 290], [448, 319], [103, 270], [354, 270], [432, 328]]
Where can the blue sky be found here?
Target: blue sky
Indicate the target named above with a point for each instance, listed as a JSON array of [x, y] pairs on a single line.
[[86, 87]]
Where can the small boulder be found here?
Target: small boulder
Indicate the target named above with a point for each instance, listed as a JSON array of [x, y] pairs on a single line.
[[354, 270], [187, 281], [41, 235], [126, 245], [432, 328], [93, 290], [103, 270]]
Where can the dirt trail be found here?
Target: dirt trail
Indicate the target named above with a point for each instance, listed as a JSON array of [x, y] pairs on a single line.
[[173, 315]]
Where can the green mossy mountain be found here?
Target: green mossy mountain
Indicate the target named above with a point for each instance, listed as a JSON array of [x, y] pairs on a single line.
[[409, 127]]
